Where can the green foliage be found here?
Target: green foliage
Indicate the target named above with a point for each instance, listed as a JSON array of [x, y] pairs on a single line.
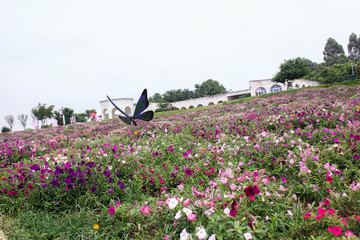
[[58, 115], [208, 88], [353, 47], [291, 70], [42, 113], [156, 98], [335, 73], [332, 49], [177, 95], [5, 129], [165, 106], [81, 117]]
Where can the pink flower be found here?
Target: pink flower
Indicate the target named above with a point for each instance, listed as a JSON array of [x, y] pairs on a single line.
[[111, 210], [146, 209], [349, 234], [160, 203], [186, 202], [358, 218], [335, 230], [321, 211], [191, 217], [331, 211], [307, 215], [327, 201], [329, 179]]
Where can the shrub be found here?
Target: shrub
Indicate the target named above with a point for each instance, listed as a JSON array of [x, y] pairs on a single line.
[[5, 129]]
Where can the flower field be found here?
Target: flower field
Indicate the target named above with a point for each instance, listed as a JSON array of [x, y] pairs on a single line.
[[284, 166]]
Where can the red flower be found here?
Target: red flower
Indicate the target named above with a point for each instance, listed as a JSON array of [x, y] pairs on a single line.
[[251, 191]]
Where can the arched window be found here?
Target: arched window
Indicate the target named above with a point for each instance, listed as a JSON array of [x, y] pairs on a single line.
[[200, 105], [296, 85], [106, 113], [276, 88], [128, 110], [260, 91]]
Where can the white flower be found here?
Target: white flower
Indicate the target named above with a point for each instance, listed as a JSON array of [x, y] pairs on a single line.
[[212, 237], [187, 211], [178, 215], [173, 202], [247, 236], [185, 235], [227, 211], [201, 232]]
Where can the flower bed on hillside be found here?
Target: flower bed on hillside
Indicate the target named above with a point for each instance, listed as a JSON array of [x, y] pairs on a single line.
[[282, 167]]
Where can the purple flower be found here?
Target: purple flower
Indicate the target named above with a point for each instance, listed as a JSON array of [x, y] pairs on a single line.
[[35, 167], [93, 189], [120, 183], [55, 182]]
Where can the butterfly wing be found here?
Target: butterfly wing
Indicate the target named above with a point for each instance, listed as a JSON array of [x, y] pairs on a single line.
[[125, 120], [146, 116], [142, 104], [118, 108]]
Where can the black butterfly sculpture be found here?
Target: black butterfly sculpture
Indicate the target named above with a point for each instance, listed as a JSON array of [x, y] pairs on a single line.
[[141, 105]]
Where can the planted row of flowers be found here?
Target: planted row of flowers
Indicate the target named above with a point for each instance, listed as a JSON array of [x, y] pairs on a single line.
[[282, 167]]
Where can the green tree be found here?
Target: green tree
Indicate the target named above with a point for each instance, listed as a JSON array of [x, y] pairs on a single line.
[[208, 88], [81, 117], [353, 47], [333, 52], [291, 70], [88, 112], [156, 98], [42, 113], [58, 115]]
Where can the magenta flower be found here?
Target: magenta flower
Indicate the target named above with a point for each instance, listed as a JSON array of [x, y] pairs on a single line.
[[111, 210], [335, 230], [307, 215], [329, 179], [322, 211]]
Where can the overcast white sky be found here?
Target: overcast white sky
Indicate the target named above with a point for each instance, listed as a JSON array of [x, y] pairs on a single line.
[[72, 53]]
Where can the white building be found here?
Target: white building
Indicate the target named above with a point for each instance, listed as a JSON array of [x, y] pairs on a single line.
[[257, 87]]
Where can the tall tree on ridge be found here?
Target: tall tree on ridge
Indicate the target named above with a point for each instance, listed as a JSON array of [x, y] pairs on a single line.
[[353, 47]]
